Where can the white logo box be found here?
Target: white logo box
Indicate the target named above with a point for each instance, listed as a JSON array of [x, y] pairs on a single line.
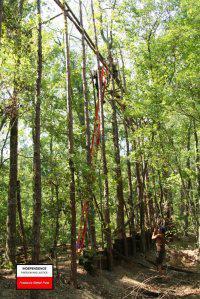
[[34, 270]]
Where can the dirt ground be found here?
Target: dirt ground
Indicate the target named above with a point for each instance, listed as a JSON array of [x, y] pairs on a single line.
[[136, 279]]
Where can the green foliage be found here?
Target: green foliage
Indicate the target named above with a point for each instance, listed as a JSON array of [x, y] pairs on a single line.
[[159, 44]]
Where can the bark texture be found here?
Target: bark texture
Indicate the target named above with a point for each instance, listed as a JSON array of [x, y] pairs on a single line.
[[37, 187], [21, 220], [13, 173], [118, 173], [130, 199], [103, 151], [87, 128], [71, 154], [12, 194]]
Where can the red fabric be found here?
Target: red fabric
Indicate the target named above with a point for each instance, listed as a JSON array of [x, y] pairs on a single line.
[[95, 143], [82, 232], [81, 244]]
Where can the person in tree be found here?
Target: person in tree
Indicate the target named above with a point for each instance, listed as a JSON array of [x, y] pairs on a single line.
[[95, 80], [159, 237]]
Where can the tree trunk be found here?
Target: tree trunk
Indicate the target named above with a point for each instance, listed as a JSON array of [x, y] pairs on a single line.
[[21, 221], [51, 163], [57, 224], [12, 193], [167, 195], [161, 195], [189, 184], [37, 188], [87, 127], [198, 182], [129, 172], [178, 163], [85, 90], [156, 204], [130, 199], [118, 173], [145, 196], [103, 150], [101, 207], [123, 70], [149, 200], [140, 192], [71, 154]]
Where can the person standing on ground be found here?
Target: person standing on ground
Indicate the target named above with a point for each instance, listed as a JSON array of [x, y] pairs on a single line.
[[159, 237]]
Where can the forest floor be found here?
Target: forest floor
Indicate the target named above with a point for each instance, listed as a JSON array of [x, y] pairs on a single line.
[[135, 279]]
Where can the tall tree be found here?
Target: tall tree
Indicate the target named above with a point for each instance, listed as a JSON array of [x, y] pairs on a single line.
[[87, 128], [118, 172], [71, 153], [37, 186], [103, 150], [12, 193], [128, 161]]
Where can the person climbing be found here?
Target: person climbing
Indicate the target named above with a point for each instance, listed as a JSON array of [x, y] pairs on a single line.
[[95, 80], [104, 81], [159, 237]]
